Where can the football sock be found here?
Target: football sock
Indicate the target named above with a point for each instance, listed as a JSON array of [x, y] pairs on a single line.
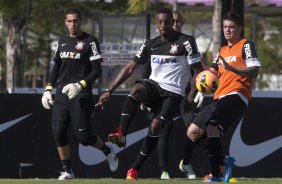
[[188, 150], [215, 155], [148, 146], [203, 143], [128, 110], [66, 165], [163, 145]]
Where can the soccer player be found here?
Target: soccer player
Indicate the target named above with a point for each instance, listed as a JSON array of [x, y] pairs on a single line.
[[172, 54], [236, 66], [77, 63]]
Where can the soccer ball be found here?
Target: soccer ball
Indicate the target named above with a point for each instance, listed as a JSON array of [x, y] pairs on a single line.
[[206, 82]]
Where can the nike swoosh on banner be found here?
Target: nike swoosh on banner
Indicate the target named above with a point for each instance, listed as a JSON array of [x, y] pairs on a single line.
[[92, 156], [246, 155], [8, 124]]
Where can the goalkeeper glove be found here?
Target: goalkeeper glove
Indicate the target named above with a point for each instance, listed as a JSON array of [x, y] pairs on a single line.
[[46, 99], [72, 89], [199, 99]]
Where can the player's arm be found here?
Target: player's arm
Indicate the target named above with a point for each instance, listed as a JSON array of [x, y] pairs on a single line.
[[194, 60], [95, 58], [251, 59], [127, 71], [250, 72], [119, 79], [123, 75], [147, 70]]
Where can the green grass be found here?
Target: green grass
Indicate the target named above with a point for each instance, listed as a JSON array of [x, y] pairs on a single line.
[[140, 181]]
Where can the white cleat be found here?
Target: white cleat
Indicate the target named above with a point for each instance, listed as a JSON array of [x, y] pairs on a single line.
[[188, 170], [165, 176], [112, 160], [66, 176]]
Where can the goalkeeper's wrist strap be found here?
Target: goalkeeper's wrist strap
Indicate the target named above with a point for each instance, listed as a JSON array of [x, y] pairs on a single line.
[[48, 87], [109, 90], [83, 83]]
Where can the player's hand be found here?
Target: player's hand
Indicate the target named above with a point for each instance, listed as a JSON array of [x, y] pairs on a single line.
[[199, 98], [47, 100], [222, 62], [103, 98], [71, 90]]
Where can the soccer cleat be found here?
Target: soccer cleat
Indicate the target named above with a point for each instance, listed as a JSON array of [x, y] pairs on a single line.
[[117, 138], [165, 176], [187, 169], [228, 168], [112, 160], [208, 176], [132, 175], [66, 176], [212, 179]]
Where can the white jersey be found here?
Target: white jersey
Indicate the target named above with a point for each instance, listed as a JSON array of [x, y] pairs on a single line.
[[170, 61]]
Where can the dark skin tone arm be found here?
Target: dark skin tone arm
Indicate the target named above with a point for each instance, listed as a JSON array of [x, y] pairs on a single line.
[[121, 77]]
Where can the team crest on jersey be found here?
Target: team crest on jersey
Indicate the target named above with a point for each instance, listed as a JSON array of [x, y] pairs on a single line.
[[79, 45], [173, 49]]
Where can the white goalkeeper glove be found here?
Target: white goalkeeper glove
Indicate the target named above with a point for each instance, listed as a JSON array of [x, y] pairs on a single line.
[[199, 98], [47, 100], [71, 90]]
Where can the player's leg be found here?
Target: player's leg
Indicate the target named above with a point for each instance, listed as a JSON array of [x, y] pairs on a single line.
[[60, 124], [142, 92], [166, 112], [163, 148], [81, 115], [137, 95], [228, 109], [196, 129]]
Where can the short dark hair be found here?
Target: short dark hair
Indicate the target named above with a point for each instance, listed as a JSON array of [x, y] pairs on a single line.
[[235, 17], [73, 11], [166, 11]]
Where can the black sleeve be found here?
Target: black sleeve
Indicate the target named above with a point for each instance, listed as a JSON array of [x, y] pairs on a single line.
[[54, 73], [249, 50], [147, 70], [95, 73]]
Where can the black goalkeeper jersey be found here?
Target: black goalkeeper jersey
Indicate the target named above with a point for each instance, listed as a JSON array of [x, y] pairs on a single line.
[[74, 57], [170, 60]]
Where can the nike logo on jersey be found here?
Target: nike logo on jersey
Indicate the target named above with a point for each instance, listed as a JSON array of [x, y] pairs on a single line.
[[246, 155], [8, 124], [63, 44], [92, 156]]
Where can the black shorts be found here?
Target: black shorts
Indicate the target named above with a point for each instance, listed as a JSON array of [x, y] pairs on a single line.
[[76, 112], [228, 110], [163, 103], [203, 116]]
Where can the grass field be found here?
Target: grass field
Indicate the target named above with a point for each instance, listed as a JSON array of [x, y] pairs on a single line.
[[140, 181]]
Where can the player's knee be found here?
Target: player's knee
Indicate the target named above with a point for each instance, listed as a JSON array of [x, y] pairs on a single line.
[[138, 91], [194, 132], [193, 136], [60, 138], [86, 138], [155, 127]]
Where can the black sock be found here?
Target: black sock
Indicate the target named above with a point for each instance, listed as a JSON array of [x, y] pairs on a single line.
[[188, 150], [215, 154], [203, 144], [66, 165], [105, 149], [128, 111], [148, 146]]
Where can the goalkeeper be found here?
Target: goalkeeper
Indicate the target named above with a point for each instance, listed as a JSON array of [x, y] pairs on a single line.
[[77, 63]]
